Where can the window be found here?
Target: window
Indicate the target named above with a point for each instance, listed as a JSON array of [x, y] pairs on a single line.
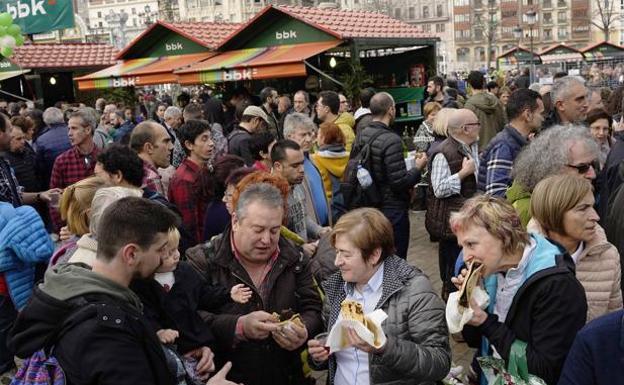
[[100, 24], [462, 54], [547, 18], [479, 54], [462, 3], [547, 4], [134, 22], [99, 14], [412, 13], [462, 18], [562, 16], [397, 13], [133, 10], [561, 4], [427, 27], [462, 34], [562, 34], [548, 34], [478, 34], [439, 11], [478, 4], [509, 14], [440, 28], [425, 12]]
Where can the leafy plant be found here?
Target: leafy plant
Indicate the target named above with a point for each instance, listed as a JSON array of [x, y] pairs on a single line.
[[353, 77]]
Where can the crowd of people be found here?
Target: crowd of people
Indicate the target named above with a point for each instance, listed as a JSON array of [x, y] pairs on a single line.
[[175, 243]]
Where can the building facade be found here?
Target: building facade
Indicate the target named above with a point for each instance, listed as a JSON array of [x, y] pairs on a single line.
[[488, 25], [119, 21]]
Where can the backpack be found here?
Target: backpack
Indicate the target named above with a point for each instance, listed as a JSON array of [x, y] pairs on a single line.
[[353, 194], [337, 204], [42, 368]]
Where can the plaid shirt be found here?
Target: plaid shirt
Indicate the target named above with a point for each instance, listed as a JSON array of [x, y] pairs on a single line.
[[69, 168], [182, 194], [9, 187], [151, 179], [444, 184], [51, 143]]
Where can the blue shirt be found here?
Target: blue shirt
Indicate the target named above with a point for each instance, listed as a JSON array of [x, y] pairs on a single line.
[[52, 142], [352, 364], [315, 182]]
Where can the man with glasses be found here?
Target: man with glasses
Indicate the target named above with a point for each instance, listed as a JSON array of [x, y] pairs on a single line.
[[453, 180], [328, 110]]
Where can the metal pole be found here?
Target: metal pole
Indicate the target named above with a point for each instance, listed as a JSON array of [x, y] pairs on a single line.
[[532, 74]]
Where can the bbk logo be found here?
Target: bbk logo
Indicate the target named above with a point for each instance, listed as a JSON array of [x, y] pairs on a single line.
[[5, 64], [286, 35], [236, 75], [125, 82], [174, 47], [21, 10]]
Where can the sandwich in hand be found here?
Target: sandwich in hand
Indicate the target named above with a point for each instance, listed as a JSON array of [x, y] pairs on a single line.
[[471, 280], [288, 316], [353, 311]]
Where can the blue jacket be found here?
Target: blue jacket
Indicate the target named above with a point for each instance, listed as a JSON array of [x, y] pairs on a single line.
[[24, 243], [124, 130], [52, 142], [597, 353], [497, 160]]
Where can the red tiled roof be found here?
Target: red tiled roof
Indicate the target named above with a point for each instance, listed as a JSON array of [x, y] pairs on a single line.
[[206, 33], [68, 55], [355, 24]]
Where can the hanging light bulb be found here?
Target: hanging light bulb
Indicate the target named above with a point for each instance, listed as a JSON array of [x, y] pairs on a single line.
[[52, 80], [332, 62]]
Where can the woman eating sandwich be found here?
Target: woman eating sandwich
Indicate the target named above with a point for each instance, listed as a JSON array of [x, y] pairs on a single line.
[[370, 277], [534, 297]]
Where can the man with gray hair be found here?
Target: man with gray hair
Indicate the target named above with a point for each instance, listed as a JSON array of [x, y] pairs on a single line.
[[173, 121], [79, 161], [453, 175], [102, 136], [50, 143], [560, 149], [252, 251], [570, 101], [301, 129]]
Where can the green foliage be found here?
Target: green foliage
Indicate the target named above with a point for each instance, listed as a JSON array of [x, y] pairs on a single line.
[[354, 78]]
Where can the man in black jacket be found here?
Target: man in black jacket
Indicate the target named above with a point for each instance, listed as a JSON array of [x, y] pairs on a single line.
[[254, 120], [105, 337], [388, 169]]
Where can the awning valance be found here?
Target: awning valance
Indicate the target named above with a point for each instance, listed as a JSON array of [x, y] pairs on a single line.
[[140, 72], [11, 74], [254, 63], [562, 58]]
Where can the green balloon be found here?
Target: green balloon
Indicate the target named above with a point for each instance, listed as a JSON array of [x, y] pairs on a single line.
[[14, 30], [5, 19], [6, 51], [19, 40], [3, 30]]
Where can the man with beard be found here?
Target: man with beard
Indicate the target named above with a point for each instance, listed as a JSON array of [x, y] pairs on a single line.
[[390, 177], [198, 145], [435, 89], [270, 100], [106, 339], [123, 127]]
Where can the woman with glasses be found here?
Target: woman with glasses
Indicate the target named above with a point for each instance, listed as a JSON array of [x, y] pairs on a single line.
[[562, 207]]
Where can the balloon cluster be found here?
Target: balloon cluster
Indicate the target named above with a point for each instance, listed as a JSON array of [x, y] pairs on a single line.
[[10, 35]]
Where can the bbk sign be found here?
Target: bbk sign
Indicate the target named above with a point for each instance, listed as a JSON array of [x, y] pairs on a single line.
[[286, 35], [169, 47], [40, 16], [236, 75], [125, 82]]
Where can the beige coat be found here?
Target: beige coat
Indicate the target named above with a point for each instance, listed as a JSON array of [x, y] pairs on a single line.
[[598, 270], [86, 251]]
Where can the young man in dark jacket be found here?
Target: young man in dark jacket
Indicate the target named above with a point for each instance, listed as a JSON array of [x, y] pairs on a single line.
[[388, 169], [105, 338]]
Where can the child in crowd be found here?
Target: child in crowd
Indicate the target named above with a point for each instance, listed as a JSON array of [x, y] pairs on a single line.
[[172, 298]]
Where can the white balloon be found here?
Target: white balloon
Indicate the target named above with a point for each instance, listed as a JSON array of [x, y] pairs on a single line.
[[8, 41]]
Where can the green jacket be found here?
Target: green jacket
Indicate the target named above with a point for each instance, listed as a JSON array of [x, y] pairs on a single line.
[[521, 201], [490, 113]]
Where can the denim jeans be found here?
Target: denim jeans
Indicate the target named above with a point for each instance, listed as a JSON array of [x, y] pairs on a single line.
[[7, 318]]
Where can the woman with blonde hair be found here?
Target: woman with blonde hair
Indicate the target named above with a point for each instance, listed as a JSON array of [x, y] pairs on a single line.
[[536, 305], [440, 128], [424, 135], [75, 206], [417, 347], [562, 208]]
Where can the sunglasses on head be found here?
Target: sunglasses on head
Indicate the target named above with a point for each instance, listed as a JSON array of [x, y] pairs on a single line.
[[582, 168]]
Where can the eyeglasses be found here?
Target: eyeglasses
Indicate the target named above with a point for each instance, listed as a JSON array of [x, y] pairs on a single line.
[[472, 124], [583, 168]]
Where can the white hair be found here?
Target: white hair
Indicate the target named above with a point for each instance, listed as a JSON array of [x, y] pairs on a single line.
[[172, 112], [103, 198], [295, 121], [53, 115]]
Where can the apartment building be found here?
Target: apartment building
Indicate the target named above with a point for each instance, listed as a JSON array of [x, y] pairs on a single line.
[[482, 24]]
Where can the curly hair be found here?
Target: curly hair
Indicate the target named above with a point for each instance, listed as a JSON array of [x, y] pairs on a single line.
[[549, 153], [118, 158]]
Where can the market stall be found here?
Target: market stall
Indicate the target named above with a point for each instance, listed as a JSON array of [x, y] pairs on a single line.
[[561, 57], [517, 57]]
